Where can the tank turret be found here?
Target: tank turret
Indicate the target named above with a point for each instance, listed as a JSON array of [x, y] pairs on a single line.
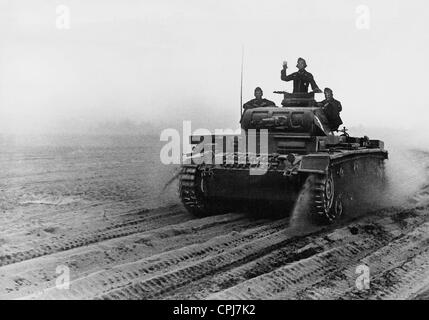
[[300, 114]]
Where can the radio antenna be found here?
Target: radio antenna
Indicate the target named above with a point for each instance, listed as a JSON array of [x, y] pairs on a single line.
[[241, 80]]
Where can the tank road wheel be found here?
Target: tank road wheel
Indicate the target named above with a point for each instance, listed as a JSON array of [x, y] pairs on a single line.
[[191, 190], [328, 204]]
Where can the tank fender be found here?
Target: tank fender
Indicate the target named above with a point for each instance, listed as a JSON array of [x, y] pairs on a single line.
[[314, 164]]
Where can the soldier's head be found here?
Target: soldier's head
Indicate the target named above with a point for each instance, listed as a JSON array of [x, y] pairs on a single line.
[[301, 64], [328, 93], [258, 93]]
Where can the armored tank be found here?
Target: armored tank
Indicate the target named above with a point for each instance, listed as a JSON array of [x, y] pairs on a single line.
[[279, 150]]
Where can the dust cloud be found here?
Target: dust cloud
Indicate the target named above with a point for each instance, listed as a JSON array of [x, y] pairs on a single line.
[[299, 218], [406, 169]]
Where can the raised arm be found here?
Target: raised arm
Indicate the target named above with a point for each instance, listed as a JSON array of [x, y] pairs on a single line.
[[285, 77]]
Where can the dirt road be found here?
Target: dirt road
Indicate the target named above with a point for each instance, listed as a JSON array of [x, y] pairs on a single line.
[[114, 250]]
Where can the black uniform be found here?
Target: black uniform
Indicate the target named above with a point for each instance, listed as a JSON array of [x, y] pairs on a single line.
[[301, 80], [256, 103], [332, 109]]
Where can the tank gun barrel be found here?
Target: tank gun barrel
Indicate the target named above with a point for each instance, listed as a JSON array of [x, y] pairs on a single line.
[[281, 92]]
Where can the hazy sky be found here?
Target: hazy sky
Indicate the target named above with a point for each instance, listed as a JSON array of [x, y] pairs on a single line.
[[166, 61]]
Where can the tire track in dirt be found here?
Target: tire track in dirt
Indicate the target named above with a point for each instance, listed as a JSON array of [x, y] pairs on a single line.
[[95, 213], [309, 258], [157, 286], [107, 281], [401, 264], [297, 250], [341, 285], [299, 274], [29, 276], [222, 280], [269, 261], [67, 242], [286, 282]]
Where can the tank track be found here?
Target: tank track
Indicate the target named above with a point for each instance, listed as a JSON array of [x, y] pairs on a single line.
[[190, 190], [325, 209]]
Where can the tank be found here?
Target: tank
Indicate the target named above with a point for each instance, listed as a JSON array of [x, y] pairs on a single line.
[[279, 151]]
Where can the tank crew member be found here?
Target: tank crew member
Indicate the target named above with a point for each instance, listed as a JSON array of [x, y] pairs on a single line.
[[301, 78], [258, 101], [331, 109]]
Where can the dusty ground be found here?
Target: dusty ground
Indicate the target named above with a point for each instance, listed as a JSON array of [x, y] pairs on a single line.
[[117, 250]]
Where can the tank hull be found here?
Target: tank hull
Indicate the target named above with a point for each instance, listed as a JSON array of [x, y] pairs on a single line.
[[339, 179]]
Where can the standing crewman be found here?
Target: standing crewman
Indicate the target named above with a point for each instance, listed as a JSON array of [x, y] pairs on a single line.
[[331, 108], [301, 78]]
